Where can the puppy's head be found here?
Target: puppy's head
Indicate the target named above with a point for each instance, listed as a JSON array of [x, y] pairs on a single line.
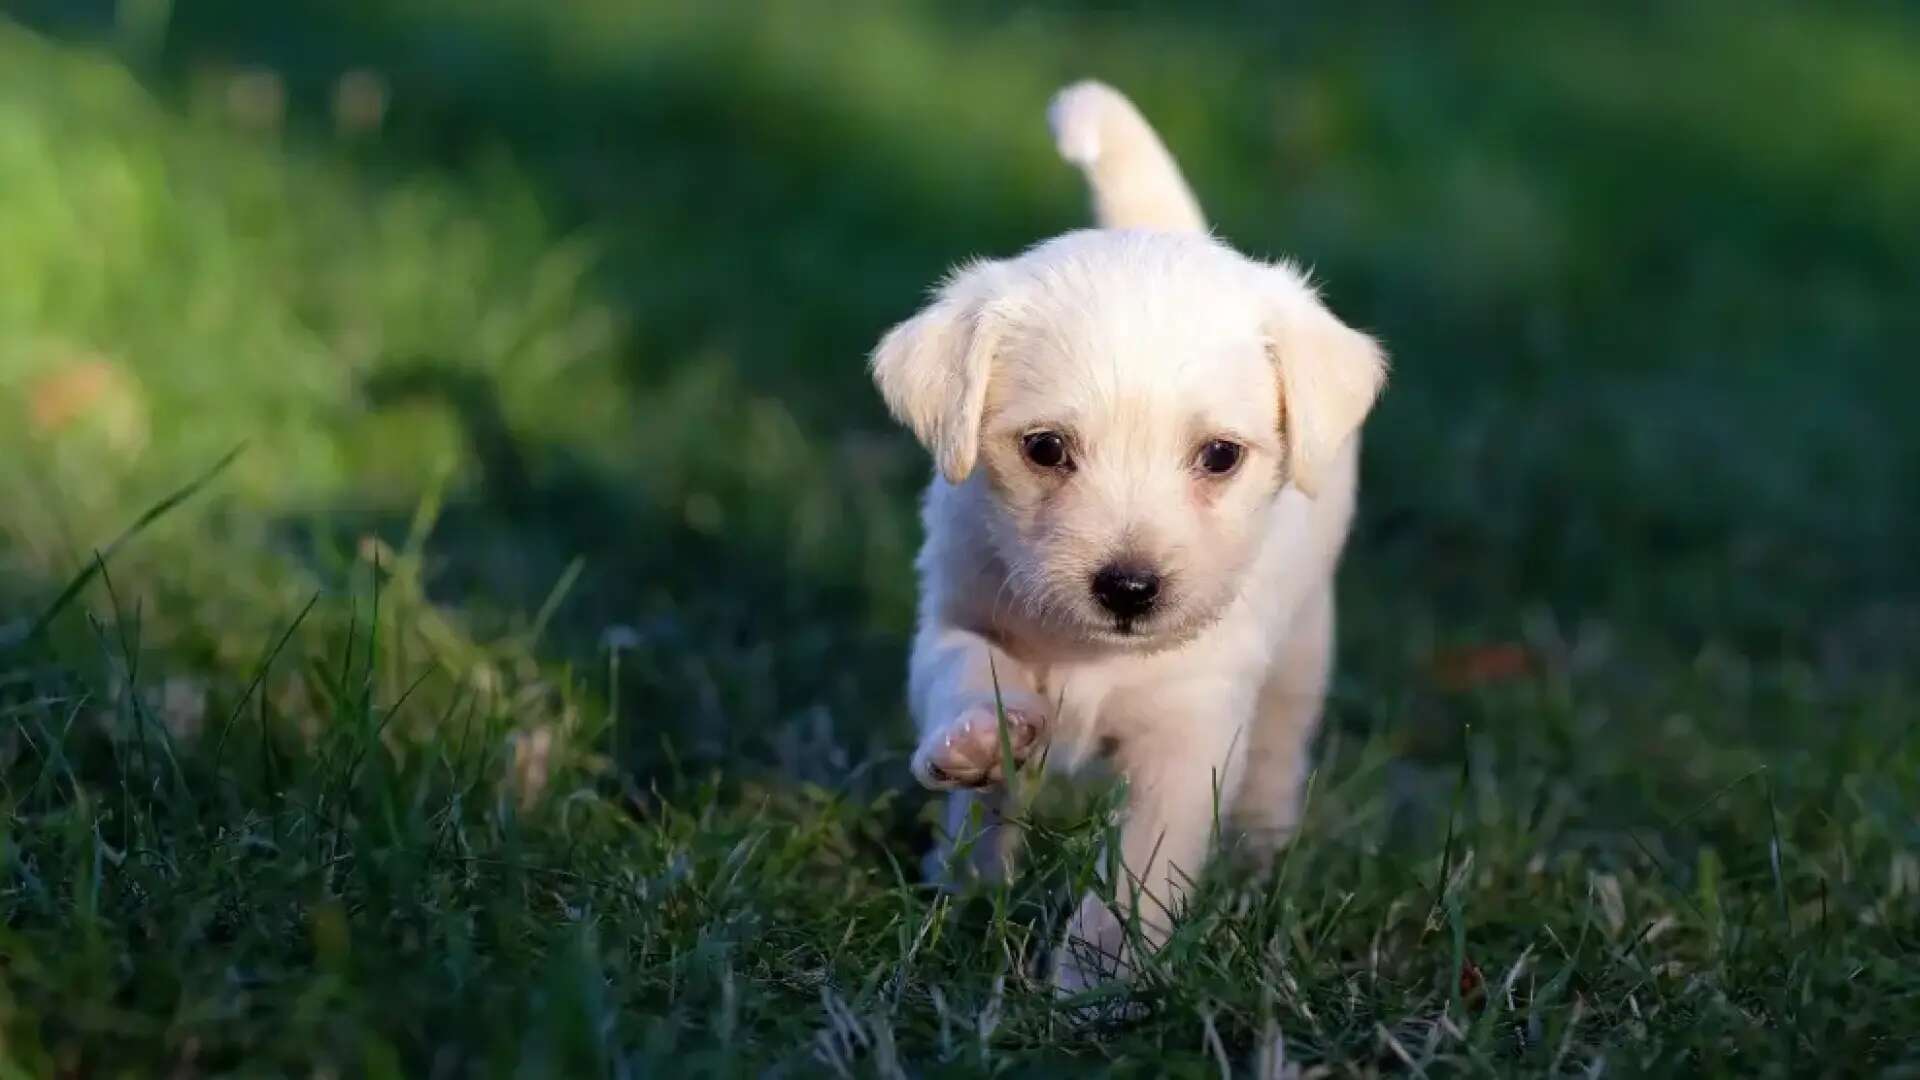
[[1129, 404]]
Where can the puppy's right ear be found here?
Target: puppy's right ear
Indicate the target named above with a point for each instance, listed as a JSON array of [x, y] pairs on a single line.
[[932, 369]]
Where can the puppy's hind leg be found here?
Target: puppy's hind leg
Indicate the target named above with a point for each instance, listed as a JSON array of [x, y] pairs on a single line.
[[1291, 703]]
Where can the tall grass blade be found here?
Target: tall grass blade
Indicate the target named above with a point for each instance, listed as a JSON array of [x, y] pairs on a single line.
[[152, 514]]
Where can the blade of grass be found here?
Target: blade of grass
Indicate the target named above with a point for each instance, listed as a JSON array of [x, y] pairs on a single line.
[[1007, 780], [140, 524], [1453, 812], [1773, 856], [259, 676], [555, 597]]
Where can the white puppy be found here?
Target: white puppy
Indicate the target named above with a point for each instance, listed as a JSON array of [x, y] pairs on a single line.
[[1146, 462]]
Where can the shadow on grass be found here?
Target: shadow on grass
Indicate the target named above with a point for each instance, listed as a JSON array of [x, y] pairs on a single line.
[[727, 653]]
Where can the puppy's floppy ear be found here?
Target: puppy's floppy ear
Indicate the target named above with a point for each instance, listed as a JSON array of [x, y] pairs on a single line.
[[1330, 375], [933, 369]]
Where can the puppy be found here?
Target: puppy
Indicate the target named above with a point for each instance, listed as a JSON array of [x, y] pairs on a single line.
[[1146, 454]]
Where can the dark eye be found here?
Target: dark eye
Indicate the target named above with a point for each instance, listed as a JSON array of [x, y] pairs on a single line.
[[1046, 449], [1220, 457]]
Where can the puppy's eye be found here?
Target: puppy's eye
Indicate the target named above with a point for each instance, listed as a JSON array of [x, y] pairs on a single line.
[[1046, 449], [1220, 457]]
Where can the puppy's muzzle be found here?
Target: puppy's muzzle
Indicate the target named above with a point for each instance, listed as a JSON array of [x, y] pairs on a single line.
[[1128, 592]]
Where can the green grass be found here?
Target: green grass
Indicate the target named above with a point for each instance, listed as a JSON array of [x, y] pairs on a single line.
[[525, 697]]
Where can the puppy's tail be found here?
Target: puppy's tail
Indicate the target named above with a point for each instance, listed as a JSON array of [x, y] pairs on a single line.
[[1135, 183]]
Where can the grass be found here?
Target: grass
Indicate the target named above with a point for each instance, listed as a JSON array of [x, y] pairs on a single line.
[[525, 695]]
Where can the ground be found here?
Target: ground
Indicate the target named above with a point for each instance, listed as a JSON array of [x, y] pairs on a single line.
[[525, 694]]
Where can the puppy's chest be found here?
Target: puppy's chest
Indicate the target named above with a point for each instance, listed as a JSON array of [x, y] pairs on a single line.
[[1076, 698], [1087, 701]]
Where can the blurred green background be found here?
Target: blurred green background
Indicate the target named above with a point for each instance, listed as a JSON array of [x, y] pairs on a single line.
[[559, 311], [602, 276]]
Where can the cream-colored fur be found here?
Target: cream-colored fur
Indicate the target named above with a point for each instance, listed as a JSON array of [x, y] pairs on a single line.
[[1137, 345]]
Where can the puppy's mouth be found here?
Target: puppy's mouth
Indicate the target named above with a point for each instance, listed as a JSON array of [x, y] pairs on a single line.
[[1163, 628], [1137, 631], [1095, 626]]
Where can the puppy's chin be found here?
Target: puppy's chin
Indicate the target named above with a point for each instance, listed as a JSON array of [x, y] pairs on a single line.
[[1156, 633]]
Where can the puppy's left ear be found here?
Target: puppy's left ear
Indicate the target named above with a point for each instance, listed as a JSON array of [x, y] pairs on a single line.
[[1330, 375], [933, 369]]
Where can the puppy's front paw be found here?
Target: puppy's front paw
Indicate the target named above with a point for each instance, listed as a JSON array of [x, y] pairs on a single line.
[[965, 751]]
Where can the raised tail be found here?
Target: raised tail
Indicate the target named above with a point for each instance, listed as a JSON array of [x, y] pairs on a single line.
[[1135, 182]]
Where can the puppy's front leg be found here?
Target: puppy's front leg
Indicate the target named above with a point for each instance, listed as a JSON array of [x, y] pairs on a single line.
[[959, 686], [979, 843], [1182, 753]]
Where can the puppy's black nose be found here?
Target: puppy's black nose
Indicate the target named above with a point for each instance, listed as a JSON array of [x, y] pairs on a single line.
[[1127, 591]]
